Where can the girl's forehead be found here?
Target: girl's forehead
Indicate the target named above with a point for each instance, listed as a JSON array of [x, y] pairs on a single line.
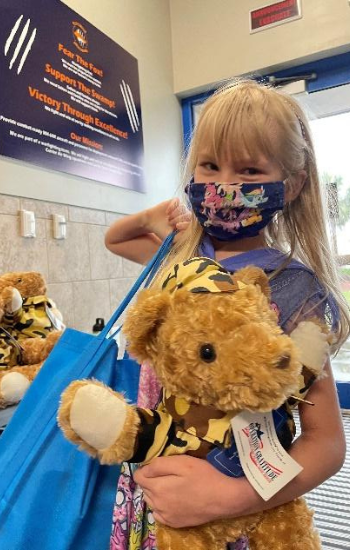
[[238, 134], [235, 156], [251, 145]]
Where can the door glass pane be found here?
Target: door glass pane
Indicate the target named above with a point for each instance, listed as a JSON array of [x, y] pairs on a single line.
[[331, 135]]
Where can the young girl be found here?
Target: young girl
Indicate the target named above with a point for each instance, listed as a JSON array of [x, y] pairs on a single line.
[[255, 198]]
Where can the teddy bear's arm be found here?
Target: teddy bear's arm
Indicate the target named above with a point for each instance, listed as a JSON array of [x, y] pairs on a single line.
[[21, 363], [100, 421], [14, 382], [313, 342], [9, 353], [156, 432]]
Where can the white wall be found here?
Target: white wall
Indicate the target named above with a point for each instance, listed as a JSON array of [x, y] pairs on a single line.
[[211, 39], [143, 29]]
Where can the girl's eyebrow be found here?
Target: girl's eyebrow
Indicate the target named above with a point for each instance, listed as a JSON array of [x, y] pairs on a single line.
[[244, 160], [260, 161], [207, 158], [206, 155]]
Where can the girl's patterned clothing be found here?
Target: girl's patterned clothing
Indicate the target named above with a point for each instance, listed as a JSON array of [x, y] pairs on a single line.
[[133, 524], [149, 388], [296, 295]]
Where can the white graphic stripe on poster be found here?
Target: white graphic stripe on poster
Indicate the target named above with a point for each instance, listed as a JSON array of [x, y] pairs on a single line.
[[26, 51], [20, 43], [128, 108], [12, 34], [133, 105]]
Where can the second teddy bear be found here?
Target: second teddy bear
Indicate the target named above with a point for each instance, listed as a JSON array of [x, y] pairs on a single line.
[[29, 323]]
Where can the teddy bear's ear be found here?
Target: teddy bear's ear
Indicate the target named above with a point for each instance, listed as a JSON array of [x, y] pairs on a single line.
[[143, 320], [252, 275], [28, 283]]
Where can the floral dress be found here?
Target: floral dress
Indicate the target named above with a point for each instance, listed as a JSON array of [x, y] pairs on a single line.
[[133, 524]]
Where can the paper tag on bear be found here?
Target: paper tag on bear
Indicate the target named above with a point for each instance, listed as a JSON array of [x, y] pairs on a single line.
[[267, 466]]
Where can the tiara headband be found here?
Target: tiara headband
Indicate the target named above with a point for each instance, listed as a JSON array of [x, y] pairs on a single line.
[[301, 124]]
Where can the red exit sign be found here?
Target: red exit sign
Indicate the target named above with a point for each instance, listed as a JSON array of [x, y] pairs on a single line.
[[274, 14]]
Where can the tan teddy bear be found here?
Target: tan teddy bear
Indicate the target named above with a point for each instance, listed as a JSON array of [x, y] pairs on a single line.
[[29, 323], [28, 312], [217, 350]]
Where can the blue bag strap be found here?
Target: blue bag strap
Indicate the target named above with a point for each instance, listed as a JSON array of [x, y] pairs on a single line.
[[149, 271]]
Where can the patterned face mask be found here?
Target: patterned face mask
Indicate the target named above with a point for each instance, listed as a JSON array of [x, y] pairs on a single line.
[[229, 211]]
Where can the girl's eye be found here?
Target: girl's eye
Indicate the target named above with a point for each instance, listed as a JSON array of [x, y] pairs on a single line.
[[209, 166], [251, 171], [207, 353]]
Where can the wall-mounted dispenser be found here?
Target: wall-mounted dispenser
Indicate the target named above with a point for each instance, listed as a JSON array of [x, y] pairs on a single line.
[[59, 226], [27, 219]]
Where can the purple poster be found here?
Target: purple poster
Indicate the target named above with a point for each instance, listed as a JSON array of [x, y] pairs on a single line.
[[70, 96]]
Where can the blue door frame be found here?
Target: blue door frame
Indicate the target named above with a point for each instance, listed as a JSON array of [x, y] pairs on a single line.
[[331, 72], [344, 394]]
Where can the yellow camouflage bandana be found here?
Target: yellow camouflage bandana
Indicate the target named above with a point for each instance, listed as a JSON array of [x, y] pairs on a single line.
[[200, 275]]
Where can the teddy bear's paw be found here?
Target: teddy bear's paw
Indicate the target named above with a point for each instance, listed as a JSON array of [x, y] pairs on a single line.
[[12, 388], [97, 416], [13, 299], [92, 413], [312, 344]]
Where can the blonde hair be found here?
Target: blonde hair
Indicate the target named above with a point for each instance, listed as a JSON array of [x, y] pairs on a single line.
[[246, 117]]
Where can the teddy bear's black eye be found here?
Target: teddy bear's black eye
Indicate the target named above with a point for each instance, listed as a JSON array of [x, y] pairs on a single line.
[[207, 353]]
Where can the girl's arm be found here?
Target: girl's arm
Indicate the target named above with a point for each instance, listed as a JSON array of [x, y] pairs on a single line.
[[320, 449], [137, 237]]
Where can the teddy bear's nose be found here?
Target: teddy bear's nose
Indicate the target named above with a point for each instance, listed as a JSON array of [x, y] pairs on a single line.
[[284, 361]]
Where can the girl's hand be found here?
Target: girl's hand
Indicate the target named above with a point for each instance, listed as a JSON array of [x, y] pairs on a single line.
[[178, 215], [184, 491], [165, 217]]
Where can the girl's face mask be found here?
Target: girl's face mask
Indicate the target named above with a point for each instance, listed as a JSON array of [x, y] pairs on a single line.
[[229, 211]]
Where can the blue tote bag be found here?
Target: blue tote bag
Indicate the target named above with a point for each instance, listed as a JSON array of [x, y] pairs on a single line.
[[52, 496]]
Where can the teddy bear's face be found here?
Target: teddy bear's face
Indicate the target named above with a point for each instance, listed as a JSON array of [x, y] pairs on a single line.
[[28, 283], [224, 350]]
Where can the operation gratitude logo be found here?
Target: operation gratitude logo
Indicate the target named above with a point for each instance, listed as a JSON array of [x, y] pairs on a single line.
[[254, 435]]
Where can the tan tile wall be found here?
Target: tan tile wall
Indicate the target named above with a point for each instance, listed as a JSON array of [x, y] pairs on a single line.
[[84, 279]]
